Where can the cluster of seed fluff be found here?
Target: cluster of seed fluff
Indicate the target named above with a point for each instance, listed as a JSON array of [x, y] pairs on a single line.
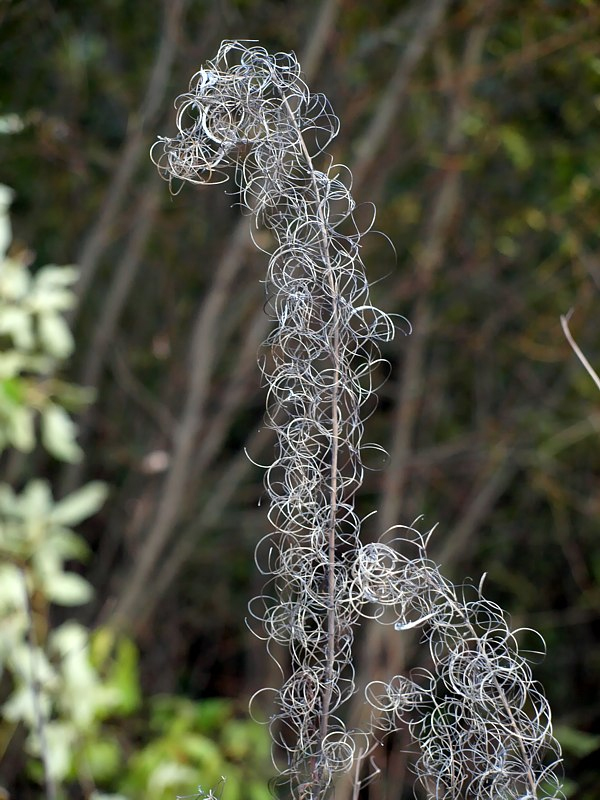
[[258, 116], [482, 722], [249, 113]]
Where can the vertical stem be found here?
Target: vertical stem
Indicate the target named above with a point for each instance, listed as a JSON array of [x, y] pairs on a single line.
[[335, 429], [332, 517], [40, 722]]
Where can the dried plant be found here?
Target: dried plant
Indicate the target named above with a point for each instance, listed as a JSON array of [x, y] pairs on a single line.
[[481, 723]]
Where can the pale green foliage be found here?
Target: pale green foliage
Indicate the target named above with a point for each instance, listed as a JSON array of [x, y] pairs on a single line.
[[57, 690], [65, 682], [34, 338], [74, 699], [197, 743], [34, 532], [6, 195], [58, 676], [73, 682]]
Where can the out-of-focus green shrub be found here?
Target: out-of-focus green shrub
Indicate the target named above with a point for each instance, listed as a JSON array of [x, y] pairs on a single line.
[[196, 744], [77, 693]]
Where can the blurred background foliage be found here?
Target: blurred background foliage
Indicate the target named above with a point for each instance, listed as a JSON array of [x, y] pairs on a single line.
[[474, 127]]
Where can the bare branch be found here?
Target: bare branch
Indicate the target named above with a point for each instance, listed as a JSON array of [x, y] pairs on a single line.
[[98, 238], [564, 321]]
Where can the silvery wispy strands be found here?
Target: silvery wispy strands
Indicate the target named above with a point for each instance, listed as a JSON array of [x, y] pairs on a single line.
[[481, 722], [258, 115]]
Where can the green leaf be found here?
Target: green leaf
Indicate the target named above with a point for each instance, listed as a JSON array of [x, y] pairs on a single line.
[[124, 678], [67, 589], [201, 750], [55, 335], [517, 147], [58, 434], [50, 275], [236, 741], [213, 713], [103, 759], [35, 500], [116, 657], [61, 740], [258, 791], [21, 430], [579, 743], [12, 592], [79, 505], [17, 323], [13, 389]]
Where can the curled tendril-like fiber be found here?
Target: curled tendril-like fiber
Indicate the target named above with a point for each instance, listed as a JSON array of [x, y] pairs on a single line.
[[482, 723], [250, 114]]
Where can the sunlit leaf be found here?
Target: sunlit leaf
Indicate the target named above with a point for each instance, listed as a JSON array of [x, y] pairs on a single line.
[[170, 776], [50, 276], [22, 705], [58, 434], [15, 280], [36, 499], [18, 324], [21, 431], [96, 795], [123, 677], [11, 363], [61, 740], [80, 505], [55, 335], [68, 589], [103, 758]]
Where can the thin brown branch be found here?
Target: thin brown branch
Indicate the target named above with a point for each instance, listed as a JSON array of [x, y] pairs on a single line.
[[124, 275], [100, 234], [35, 686], [231, 399], [564, 321], [220, 497], [429, 261], [523, 57], [201, 362], [316, 42], [202, 358], [484, 496], [375, 651], [391, 100], [141, 396]]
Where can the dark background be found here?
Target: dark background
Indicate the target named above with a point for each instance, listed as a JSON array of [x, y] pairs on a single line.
[[474, 127]]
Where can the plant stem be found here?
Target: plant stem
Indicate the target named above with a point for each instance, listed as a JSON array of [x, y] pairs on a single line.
[[40, 721], [335, 430]]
